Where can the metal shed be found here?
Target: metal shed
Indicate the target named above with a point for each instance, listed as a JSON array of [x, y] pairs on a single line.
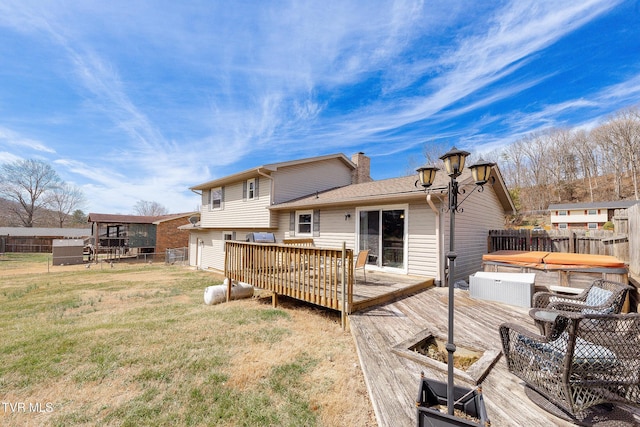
[[67, 251]]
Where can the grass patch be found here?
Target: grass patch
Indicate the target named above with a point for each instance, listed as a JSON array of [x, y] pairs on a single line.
[[136, 346]]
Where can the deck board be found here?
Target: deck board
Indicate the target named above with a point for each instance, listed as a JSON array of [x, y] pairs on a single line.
[[392, 380]]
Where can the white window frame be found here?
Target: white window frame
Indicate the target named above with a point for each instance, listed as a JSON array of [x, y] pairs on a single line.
[[298, 223], [563, 226], [251, 189], [405, 207], [563, 213], [211, 199], [592, 226], [592, 212]]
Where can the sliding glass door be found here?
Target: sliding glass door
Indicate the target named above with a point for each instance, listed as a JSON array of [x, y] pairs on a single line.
[[382, 232]]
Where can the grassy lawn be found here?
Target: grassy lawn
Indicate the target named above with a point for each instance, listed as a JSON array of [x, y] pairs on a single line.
[[135, 345]]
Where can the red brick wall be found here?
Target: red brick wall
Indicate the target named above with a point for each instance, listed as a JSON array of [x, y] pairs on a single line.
[[168, 236]]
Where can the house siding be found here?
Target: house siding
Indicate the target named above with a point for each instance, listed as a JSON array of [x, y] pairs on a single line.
[[334, 228], [292, 182], [423, 245], [237, 212], [481, 212], [579, 218]]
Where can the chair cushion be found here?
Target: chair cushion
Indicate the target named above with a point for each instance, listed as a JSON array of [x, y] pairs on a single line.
[[597, 296], [586, 355]]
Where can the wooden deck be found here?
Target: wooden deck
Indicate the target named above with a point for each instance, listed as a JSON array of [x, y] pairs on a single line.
[[392, 379], [380, 288]]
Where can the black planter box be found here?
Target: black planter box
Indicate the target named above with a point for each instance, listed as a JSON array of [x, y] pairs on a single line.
[[433, 393]]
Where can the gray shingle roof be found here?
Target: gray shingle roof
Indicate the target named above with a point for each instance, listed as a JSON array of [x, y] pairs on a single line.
[[388, 190], [45, 232], [618, 204]]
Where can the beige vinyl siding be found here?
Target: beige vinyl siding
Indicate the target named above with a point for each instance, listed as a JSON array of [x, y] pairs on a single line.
[[422, 245], [213, 251], [296, 181], [212, 254], [237, 212], [335, 229], [193, 240], [481, 212]]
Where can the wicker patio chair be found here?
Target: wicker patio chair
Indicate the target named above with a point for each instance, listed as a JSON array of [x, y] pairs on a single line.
[[584, 360], [602, 296]]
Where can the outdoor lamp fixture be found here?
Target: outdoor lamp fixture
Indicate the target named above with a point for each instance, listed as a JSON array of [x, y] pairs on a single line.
[[454, 164]]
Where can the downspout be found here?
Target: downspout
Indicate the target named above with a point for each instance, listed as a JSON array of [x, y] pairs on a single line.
[[270, 193], [272, 184], [439, 244]]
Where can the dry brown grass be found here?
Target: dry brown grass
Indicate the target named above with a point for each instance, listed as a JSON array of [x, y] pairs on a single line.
[[136, 345]]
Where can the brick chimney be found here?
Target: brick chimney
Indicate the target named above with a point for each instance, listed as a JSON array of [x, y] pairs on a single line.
[[362, 172]]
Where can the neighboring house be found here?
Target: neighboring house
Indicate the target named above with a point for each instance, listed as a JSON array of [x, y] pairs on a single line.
[[169, 235], [590, 216], [137, 234], [332, 199], [36, 239]]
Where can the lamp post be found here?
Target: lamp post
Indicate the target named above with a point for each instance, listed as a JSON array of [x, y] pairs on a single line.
[[454, 164]]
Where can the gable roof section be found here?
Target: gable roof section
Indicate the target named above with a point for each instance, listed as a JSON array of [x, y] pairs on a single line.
[[392, 190], [176, 216], [268, 168], [127, 219], [44, 232], [618, 204]]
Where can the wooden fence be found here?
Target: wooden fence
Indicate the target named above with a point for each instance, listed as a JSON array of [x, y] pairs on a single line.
[[303, 272], [598, 242], [27, 244], [634, 239]]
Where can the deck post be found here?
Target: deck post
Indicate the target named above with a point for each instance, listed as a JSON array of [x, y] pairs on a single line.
[[274, 300], [227, 276], [343, 309]]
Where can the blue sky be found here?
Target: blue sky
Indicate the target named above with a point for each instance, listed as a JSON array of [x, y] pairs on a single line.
[[139, 100]]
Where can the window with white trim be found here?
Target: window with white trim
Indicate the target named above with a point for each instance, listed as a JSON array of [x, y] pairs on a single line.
[[592, 226], [251, 189], [215, 198], [563, 226], [592, 212], [562, 213], [304, 223]]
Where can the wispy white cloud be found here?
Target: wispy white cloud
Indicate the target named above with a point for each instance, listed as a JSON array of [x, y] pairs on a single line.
[[12, 138]]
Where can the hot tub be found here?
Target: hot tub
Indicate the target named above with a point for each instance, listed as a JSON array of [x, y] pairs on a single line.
[[558, 271]]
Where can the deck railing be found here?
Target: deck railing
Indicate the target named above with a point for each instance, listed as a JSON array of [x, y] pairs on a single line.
[[306, 273]]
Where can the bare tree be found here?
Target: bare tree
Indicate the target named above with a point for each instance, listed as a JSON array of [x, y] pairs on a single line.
[[624, 130], [146, 208], [588, 155], [535, 148], [562, 163], [613, 155], [433, 150], [26, 182], [63, 200]]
